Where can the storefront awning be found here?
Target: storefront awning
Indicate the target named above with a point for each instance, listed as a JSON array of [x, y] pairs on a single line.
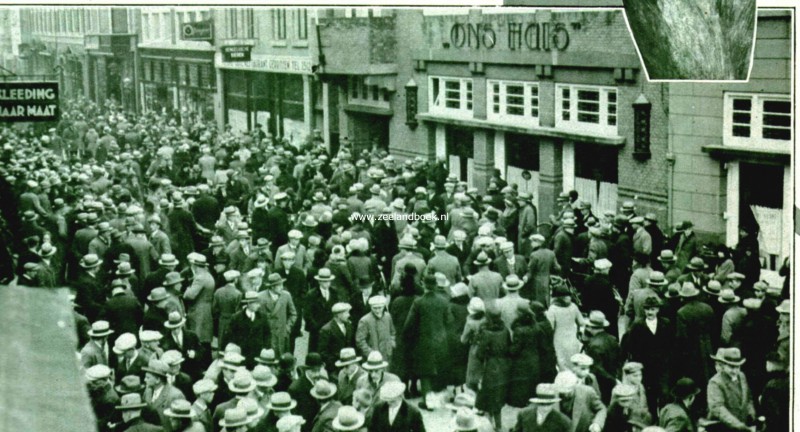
[[726, 153], [614, 141]]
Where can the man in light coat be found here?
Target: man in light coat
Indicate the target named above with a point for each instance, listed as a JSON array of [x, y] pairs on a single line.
[[199, 297], [375, 331], [729, 398], [279, 306], [443, 262], [541, 264], [485, 283], [642, 242], [580, 403]]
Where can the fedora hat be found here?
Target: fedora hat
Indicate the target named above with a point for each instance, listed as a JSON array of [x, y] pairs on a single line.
[[157, 367], [324, 274], [267, 357], [313, 361], [657, 279], [98, 372], [232, 360], [348, 419], [131, 401], [377, 301], [281, 401], [375, 361], [696, 263], [264, 377], [168, 260], [172, 278], [174, 320], [713, 287], [242, 382], [130, 384], [90, 261], [440, 242], [100, 329], [684, 388], [597, 319], [512, 283], [274, 279], [251, 407], [204, 386], [172, 357], [310, 221], [688, 290], [158, 294], [465, 399], [546, 394], [234, 417], [180, 408], [651, 302], [347, 356], [731, 356], [727, 296], [482, 259], [624, 391], [392, 390], [124, 269], [323, 390]]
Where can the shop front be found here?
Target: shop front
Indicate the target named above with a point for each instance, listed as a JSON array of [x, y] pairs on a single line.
[[112, 69], [179, 83]]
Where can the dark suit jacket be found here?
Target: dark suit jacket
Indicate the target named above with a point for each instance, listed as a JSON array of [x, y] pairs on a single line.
[[89, 294], [154, 319], [408, 419], [324, 419], [307, 406], [251, 336], [191, 342], [554, 422], [331, 342], [317, 312], [520, 266], [124, 314], [122, 369], [139, 425]]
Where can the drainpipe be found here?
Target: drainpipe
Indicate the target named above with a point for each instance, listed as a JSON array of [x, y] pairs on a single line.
[[670, 157]]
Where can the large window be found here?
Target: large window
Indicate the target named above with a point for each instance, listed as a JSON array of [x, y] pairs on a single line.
[[359, 92], [512, 101], [452, 96], [587, 109], [759, 121], [279, 24], [302, 23], [240, 23]]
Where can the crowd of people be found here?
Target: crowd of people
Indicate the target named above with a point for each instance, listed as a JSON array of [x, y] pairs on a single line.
[[221, 283]]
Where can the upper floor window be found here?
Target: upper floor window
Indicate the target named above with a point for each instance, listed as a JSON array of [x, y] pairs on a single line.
[[761, 121], [513, 101], [359, 92], [587, 109], [279, 24], [240, 23], [450, 96], [302, 23]]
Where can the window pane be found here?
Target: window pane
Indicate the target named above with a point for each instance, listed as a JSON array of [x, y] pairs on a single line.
[[515, 100], [741, 104], [515, 90], [514, 110], [588, 118], [612, 97], [777, 106], [565, 93], [775, 133], [591, 95], [565, 104], [741, 131], [588, 106], [612, 109], [612, 120], [741, 118], [775, 120], [452, 85], [565, 115]]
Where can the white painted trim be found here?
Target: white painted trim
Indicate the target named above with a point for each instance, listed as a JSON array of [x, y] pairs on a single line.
[[500, 152], [527, 95], [568, 165], [601, 128], [787, 216], [755, 141], [732, 205], [441, 141], [326, 114]]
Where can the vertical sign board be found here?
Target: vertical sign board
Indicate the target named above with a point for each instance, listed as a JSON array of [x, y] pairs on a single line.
[[28, 101]]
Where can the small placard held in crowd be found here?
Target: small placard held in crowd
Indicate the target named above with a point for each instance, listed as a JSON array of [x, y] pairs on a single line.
[[28, 101]]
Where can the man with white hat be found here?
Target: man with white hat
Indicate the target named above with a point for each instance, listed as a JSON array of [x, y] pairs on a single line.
[[729, 397], [96, 351], [443, 262], [325, 394], [580, 403], [375, 330], [599, 293], [204, 395], [509, 303], [129, 359], [102, 396], [130, 408], [336, 335], [225, 303], [290, 423], [350, 372], [250, 328], [294, 246], [393, 413], [199, 297]]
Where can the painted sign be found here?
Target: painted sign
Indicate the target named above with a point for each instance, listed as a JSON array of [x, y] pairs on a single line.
[[544, 36], [236, 53], [28, 101], [198, 31], [269, 63]]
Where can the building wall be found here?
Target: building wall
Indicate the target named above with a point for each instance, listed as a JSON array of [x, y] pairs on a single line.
[[696, 120]]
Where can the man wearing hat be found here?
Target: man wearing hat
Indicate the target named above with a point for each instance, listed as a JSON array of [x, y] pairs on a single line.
[[541, 264], [562, 244], [666, 262], [375, 330], [694, 324], [336, 334], [240, 386], [100, 244], [325, 394], [543, 415], [604, 349], [642, 242], [732, 318], [240, 251], [160, 305], [129, 360], [300, 389], [250, 328], [204, 395], [90, 294], [279, 414], [443, 262], [729, 397], [225, 303], [130, 408], [656, 235], [278, 303], [508, 262], [580, 403], [695, 272], [185, 341], [677, 416], [407, 255], [158, 238], [650, 341], [511, 301], [376, 375], [199, 297], [122, 310], [349, 373], [159, 394], [318, 304], [528, 220], [622, 412], [685, 243], [96, 351], [102, 396], [485, 283], [167, 264], [393, 413], [278, 220], [655, 287]]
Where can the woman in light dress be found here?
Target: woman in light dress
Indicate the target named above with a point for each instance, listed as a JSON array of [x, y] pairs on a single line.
[[566, 319]]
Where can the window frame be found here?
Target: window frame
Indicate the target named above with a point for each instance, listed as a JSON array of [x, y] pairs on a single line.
[[279, 24], [301, 23], [528, 89], [756, 139], [466, 97], [359, 93], [604, 112]]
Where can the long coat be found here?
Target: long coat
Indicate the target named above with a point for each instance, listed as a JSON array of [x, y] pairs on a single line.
[[562, 247], [425, 330], [322, 422], [251, 336], [486, 284], [587, 409], [123, 313], [524, 373], [374, 334], [168, 395], [224, 304], [331, 342], [399, 309], [317, 312], [459, 352], [471, 337], [654, 352], [675, 417], [282, 316], [693, 340], [408, 419], [307, 406], [730, 402], [541, 264], [446, 264], [494, 349], [199, 297], [603, 348]]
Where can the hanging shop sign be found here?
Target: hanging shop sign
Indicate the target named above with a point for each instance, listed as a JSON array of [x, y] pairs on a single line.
[[234, 53], [198, 31], [28, 101]]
